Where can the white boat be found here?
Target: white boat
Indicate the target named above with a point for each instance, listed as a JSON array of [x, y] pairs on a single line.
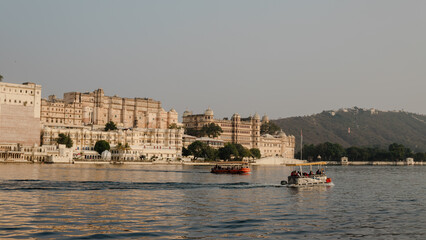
[[301, 179]]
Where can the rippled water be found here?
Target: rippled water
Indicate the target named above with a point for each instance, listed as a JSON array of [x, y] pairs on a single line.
[[187, 202]]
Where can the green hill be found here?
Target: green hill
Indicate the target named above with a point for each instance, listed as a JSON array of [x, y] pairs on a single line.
[[359, 127]]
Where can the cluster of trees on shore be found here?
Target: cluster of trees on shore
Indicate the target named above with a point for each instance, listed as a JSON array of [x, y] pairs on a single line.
[[333, 152], [211, 130], [230, 151]]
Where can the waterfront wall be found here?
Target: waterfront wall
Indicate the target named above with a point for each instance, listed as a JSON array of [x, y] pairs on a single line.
[[277, 161], [376, 163], [18, 125]]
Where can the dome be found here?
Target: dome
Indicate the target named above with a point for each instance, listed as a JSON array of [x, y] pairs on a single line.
[[106, 155], [256, 116], [282, 134], [172, 110], [209, 112], [267, 136], [236, 116], [186, 113], [265, 118]]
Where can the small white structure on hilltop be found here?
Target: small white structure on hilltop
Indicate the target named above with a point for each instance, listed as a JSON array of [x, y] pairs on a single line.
[[106, 155]]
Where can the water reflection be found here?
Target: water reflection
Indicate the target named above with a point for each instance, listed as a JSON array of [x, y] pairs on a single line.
[[103, 201]]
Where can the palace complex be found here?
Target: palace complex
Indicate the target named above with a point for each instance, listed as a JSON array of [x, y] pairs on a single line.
[[244, 131], [149, 132], [25, 119], [94, 108]]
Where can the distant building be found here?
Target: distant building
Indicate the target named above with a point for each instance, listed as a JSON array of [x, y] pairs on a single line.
[[45, 153], [212, 142], [98, 109], [158, 143], [55, 112], [143, 124], [278, 145], [20, 113], [244, 131]]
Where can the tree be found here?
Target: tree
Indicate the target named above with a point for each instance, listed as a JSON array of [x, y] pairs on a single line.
[[210, 153], [269, 128], [212, 130], [1, 78], [242, 151], [185, 152], [64, 139], [194, 132], [120, 146], [255, 153], [309, 152], [397, 151], [196, 149], [101, 146], [420, 157], [174, 126], [228, 152], [127, 146], [110, 126]]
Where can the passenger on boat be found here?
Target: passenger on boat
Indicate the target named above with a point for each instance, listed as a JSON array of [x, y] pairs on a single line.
[[311, 173], [318, 171]]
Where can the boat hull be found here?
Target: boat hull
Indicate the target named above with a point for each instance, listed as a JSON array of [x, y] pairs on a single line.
[[231, 171], [294, 181]]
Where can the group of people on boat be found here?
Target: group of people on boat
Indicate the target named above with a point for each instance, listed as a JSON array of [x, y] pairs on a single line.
[[305, 174], [218, 167]]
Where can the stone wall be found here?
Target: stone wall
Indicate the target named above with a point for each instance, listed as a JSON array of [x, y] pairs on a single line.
[[18, 125]]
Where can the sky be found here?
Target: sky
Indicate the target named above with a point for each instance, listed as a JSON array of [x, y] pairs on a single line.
[[280, 58]]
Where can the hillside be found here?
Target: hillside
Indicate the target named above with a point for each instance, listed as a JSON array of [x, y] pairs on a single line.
[[359, 127]]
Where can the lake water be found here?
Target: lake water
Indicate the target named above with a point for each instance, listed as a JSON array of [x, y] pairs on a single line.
[[83, 201]]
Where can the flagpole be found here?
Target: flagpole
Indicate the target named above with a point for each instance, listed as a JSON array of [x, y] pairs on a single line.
[[301, 144]]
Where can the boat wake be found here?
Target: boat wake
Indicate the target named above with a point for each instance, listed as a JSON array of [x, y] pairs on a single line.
[[44, 185]]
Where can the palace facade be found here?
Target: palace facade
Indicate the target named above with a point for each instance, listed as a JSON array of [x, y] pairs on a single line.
[[98, 109], [244, 131], [20, 113], [147, 142], [143, 124]]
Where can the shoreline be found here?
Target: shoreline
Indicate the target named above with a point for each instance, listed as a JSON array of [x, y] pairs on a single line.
[[330, 163], [376, 163]]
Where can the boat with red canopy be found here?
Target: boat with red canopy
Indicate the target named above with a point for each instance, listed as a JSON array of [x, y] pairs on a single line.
[[231, 168]]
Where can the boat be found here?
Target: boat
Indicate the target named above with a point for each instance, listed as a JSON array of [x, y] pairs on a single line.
[[300, 178], [231, 168]]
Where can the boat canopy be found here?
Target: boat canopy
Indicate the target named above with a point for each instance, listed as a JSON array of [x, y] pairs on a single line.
[[232, 163], [306, 164]]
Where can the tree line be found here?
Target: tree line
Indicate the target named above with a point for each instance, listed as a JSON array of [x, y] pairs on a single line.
[[231, 151], [333, 152]]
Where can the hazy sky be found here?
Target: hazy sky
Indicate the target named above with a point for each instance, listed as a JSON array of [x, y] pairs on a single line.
[[283, 58]]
